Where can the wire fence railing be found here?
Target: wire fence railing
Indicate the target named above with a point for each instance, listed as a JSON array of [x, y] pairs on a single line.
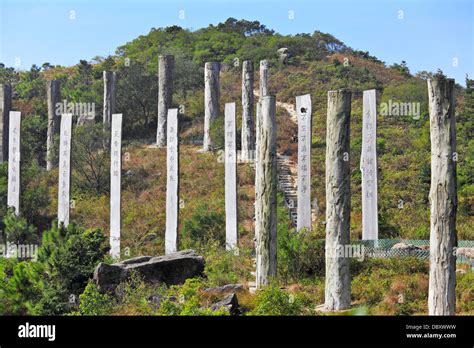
[[409, 247]]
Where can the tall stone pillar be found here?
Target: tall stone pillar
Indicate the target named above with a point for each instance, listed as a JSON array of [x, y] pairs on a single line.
[[368, 167], [172, 182], [338, 201], [266, 200], [443, 198], [165, 95], [5, 107], [263, 91], [211, 100], [110, 80], [54, 119], [303, 111], [248, 139]]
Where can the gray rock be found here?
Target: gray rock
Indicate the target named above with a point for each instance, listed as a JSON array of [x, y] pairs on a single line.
[[405, 246], [138, 259], [284, 54], [170, 269], [230, 303], [155, 300], [468, 252], [225, 288]]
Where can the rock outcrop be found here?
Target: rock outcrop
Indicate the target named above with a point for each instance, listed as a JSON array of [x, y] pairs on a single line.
[[170, 269], [284, 54], [405, 246]]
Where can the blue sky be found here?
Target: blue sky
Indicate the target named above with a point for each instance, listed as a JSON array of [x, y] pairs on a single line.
[[427, 34]]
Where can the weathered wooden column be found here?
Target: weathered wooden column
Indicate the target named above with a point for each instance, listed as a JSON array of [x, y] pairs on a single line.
[[110, 79], [14, 187], [211, 100], [231, 229], [443, 198], [115, 185], [165, 95], [248, 139], [5, 107], [64, 169], [303, 110], [263, 91], [368, 167], [338, 201], [258, 176], [263, 88], [172, 183], [266, 201], [53, 99]]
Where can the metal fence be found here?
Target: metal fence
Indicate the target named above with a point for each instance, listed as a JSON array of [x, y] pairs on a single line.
[[417, 248]]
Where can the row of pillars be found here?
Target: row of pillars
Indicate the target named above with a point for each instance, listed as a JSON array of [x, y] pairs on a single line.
[[166, 65], [53, 98]]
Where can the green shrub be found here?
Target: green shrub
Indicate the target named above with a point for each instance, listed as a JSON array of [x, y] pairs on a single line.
[[465, 291], [370, 288], [399, 265], [217, 133], [300, 254], [66, 261], [92, 302], [185, 300], [34, 194], [90, 159], [224, 267], [271, 300], [204, 227], [17, 230], [17, 290], [132, 296], [33, 134], [3, 191]]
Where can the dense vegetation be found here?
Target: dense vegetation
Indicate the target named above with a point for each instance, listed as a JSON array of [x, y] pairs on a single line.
[[318, 63]]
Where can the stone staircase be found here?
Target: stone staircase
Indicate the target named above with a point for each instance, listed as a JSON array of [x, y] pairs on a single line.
[[287, 184]]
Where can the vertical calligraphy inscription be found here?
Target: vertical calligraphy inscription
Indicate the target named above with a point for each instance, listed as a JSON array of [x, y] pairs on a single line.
[[172, 183], [13, 198], [303, 109], [115, 185], [64, 169], [230, 177], [368, 166]]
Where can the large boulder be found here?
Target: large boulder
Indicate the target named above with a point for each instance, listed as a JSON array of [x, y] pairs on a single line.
[[405, 246], [225, 289], [170, 269], [467, 252], [284, 54]]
